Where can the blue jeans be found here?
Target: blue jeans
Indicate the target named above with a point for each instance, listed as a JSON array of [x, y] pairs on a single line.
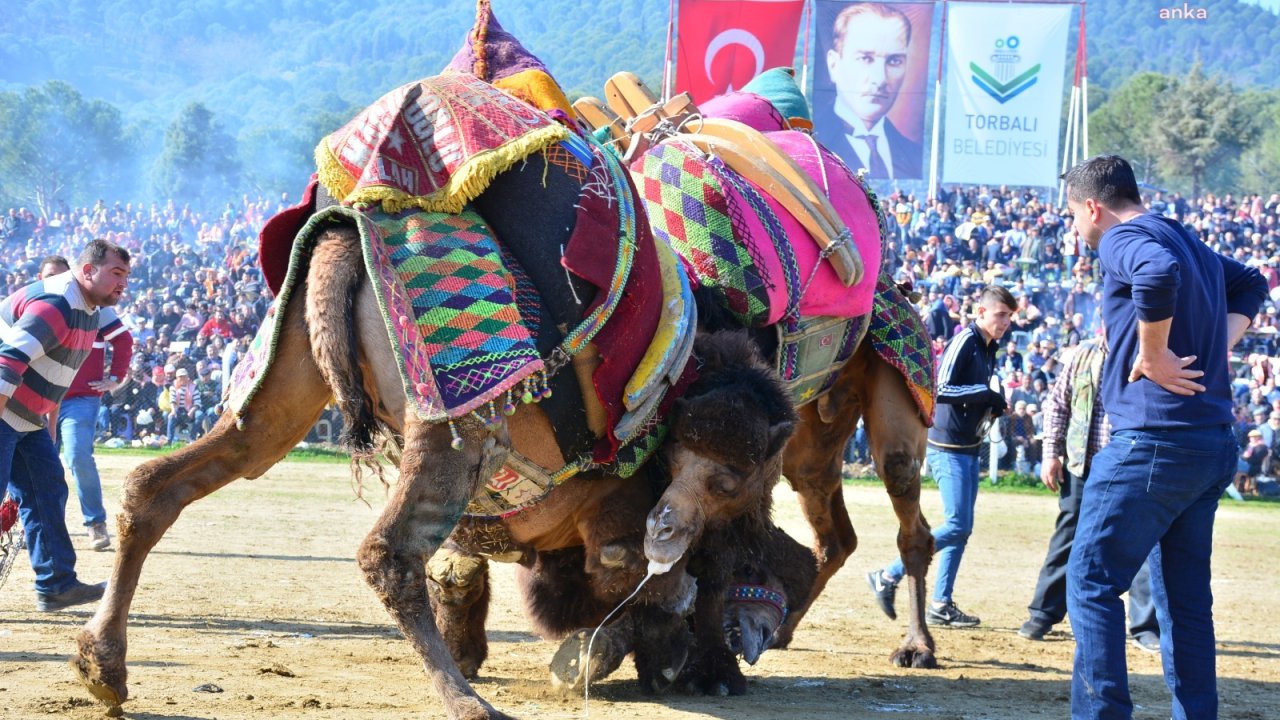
[[76, 424], [957, 476], [30, 468], [1150, 492]]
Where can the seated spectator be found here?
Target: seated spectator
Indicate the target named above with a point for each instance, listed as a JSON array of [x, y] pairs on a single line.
[[218, 325], [1252, 459]]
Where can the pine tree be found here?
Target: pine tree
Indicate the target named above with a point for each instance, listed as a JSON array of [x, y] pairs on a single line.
[[1200, 123], [199, 162]]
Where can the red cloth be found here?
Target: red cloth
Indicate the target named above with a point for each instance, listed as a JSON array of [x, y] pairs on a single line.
[[591, 254], [723, 44], [275, 241]]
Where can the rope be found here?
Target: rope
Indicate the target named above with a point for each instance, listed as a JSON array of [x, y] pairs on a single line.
[[586, 668]]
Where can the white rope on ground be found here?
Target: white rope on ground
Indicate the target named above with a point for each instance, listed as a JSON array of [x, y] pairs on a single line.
[[586, 670]]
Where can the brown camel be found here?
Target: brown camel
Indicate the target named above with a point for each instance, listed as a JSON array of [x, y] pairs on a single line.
[[314, 359], [585, 548]]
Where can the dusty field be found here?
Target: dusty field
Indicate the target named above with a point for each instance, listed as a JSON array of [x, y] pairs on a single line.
[[259, 580]]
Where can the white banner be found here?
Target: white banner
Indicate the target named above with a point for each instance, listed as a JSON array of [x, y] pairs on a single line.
[[1005, 69]]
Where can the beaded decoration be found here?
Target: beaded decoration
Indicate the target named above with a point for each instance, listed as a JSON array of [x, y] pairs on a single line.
[[759, 594]]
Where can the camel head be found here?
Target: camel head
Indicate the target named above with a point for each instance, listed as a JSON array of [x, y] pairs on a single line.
[[724, 453]]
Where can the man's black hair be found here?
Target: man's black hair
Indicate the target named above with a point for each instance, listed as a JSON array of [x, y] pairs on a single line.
[[96, 252], [1108, 179]]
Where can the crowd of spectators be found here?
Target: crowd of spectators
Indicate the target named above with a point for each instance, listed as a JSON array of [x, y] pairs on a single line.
[[197, 295], [950, 248]]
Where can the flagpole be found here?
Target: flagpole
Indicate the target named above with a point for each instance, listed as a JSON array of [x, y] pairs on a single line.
[[667, 80], [1068, 140], [804, 62], [937, 110], [1074, 127], [1084, 75]]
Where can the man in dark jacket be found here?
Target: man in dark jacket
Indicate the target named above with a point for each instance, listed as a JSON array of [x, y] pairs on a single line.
[[940, 321], [967, 403], [1172, 309]]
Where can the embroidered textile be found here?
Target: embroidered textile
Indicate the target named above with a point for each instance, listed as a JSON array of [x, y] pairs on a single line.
[[899, 336], [433, 144]]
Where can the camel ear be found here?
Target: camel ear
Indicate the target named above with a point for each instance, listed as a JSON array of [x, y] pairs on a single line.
[[778, 436]]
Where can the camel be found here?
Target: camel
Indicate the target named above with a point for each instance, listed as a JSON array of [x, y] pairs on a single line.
[[333, 344], [589, 543]]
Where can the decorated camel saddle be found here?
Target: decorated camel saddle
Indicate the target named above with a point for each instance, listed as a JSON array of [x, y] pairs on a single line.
[[773, 222], [590, 313]]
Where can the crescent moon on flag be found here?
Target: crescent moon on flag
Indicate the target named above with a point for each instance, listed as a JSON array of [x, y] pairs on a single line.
[[735, 36]]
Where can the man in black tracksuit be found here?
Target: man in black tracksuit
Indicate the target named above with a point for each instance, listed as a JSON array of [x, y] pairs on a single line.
[[966, 401]]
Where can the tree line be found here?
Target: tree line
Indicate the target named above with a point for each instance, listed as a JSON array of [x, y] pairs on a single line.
[[1188, 133]]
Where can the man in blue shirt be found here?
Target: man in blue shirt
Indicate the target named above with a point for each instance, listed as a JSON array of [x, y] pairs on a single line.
[[1172, 309]]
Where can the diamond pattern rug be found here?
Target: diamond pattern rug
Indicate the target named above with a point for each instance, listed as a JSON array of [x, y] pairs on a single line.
[[452, 308], [688, 210], [899, 336]]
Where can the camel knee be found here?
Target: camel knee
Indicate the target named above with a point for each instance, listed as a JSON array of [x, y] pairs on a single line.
[[456, 577], [398, 582], [901, 473]]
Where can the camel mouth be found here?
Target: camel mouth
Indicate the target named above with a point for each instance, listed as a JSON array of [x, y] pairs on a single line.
[[664, 552]]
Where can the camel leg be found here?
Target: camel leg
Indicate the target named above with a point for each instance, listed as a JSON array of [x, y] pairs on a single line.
[[155, 493], [458, 583], [435, 484], [897, 436], [811, 464]]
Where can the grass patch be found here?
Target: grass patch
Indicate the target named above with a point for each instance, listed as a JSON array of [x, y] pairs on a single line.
[[1023, 484], [309, 453]]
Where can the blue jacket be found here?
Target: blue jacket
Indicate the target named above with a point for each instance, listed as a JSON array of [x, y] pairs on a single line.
[[1154, 269], [964, 392]]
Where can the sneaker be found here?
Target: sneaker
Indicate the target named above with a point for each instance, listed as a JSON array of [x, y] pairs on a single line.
[[99, 539], [1034, 630], [950, 616], [1147, 642], [77, 594], [884, 592]]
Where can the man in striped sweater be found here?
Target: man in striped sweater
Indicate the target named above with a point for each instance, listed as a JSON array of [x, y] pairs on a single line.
[[47, 330]]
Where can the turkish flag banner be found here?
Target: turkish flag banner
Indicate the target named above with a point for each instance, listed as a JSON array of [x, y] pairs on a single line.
[[723, 44]]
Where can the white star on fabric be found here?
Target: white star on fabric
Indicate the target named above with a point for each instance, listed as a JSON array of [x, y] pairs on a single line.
[[395, 140]]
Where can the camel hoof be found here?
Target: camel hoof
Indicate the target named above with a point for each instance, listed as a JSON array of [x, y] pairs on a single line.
[[90, 672], [572, 659], [913, 658], [476, 709]]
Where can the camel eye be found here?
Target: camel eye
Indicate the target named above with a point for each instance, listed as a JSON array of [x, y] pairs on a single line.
[[726, 483]]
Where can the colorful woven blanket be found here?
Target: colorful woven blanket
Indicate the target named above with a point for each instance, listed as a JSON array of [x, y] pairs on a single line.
[[740, 241], [433, 144], [447, 303], [899, 336]]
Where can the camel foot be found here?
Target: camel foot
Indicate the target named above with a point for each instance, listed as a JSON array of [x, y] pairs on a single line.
[[715, 673], [102, 672], [572, 661], [914, 657], [473, 708]]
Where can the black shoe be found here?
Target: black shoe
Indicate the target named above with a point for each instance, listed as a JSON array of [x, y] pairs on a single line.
[[1147, 642], [77, 594], [884, 592], [950, 616], [1034, 630]]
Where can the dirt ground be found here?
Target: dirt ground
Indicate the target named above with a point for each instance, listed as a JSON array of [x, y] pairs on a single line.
[[255, 591]]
